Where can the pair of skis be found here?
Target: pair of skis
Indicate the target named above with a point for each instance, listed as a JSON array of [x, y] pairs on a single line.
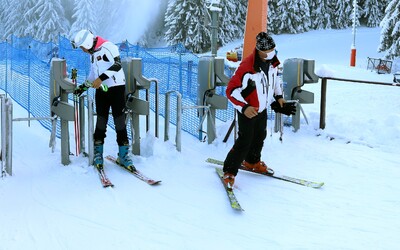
[[107, 183], [231, 195]]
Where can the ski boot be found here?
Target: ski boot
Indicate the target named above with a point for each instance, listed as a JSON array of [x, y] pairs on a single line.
[[123, 158], [229, 180], [98, 155], [258, 167]]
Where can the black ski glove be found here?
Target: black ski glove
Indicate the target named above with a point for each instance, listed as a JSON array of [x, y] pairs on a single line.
[[289, 108], [80, 89], [85, 86]]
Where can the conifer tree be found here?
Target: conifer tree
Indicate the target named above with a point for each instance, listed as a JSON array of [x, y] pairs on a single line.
[[273, 18], [83, 17], [183, 25], [321, 14], [2, 15], [15, 20], [294, 16], [231, 20], [343, 14], [51, 20], [189, 23], [390, 32], [373, 11]]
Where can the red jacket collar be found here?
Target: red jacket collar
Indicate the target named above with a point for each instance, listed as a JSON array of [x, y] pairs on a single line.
[[100, 42]]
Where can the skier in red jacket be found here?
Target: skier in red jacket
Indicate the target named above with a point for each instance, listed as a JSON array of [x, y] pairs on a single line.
[[254, 85]]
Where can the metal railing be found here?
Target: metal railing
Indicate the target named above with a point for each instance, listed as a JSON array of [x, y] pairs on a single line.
[[324, 83], [179, 110]]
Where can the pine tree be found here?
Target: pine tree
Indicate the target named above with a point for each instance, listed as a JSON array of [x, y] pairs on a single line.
[[343, 14], [183, 25], [83, 17], [2, 15], [189, 23], [373, 11], [15, 22], [51, 21], [321, 14], [294, 16], [231, 21], [390, 32], [31, 18], [273, 18]]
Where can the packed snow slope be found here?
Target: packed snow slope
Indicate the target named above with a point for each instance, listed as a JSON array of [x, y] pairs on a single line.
[[46, 205]]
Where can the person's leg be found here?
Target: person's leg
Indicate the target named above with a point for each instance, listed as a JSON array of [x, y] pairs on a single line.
[[242, 144], [260, 133], [118, 105], [102, 109]]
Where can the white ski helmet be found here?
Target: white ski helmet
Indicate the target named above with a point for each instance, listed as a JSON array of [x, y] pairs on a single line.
[[83, 38]]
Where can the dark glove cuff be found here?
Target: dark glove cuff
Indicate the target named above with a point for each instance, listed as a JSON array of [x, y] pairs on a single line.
[[245, 107], [277, 97]]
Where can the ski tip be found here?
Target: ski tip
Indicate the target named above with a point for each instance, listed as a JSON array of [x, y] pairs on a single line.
[[238, 209], [318, 185], [214, 161], [107, 184], [154, 183]]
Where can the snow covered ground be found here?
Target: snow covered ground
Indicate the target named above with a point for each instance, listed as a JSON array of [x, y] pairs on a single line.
[[46, 205]]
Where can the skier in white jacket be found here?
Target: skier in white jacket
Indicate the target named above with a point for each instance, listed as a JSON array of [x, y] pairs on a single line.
[[106, 69]]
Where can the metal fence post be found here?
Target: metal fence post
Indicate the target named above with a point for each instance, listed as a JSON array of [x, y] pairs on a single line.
[[6, 135], [3, 135], [324, 83], [9, 131], [90, 130], [178, 118]]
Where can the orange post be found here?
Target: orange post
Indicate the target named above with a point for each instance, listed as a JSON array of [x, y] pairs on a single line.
[[256, 21], [353, 56]]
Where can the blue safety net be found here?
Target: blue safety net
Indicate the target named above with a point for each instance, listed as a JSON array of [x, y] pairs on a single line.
[[25, 76]]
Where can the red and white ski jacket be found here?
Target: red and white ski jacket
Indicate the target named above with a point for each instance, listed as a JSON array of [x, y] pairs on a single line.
[[105, 65], [251, 87]]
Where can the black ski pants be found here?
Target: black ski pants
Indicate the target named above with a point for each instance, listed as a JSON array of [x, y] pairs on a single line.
[[250, 141], [114, 98]]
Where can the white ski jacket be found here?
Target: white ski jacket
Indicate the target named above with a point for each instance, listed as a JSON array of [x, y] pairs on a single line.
[[103, 64]]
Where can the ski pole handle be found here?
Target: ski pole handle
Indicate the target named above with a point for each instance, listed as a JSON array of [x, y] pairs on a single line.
[[104, 87], [74, 75]]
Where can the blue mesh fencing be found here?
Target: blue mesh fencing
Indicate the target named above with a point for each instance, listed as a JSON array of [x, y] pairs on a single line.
[[25, 76]]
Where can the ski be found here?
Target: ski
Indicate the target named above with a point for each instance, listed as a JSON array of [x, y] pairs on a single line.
[[103, 177], [135, 172], [298, 181], [231, 195]]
